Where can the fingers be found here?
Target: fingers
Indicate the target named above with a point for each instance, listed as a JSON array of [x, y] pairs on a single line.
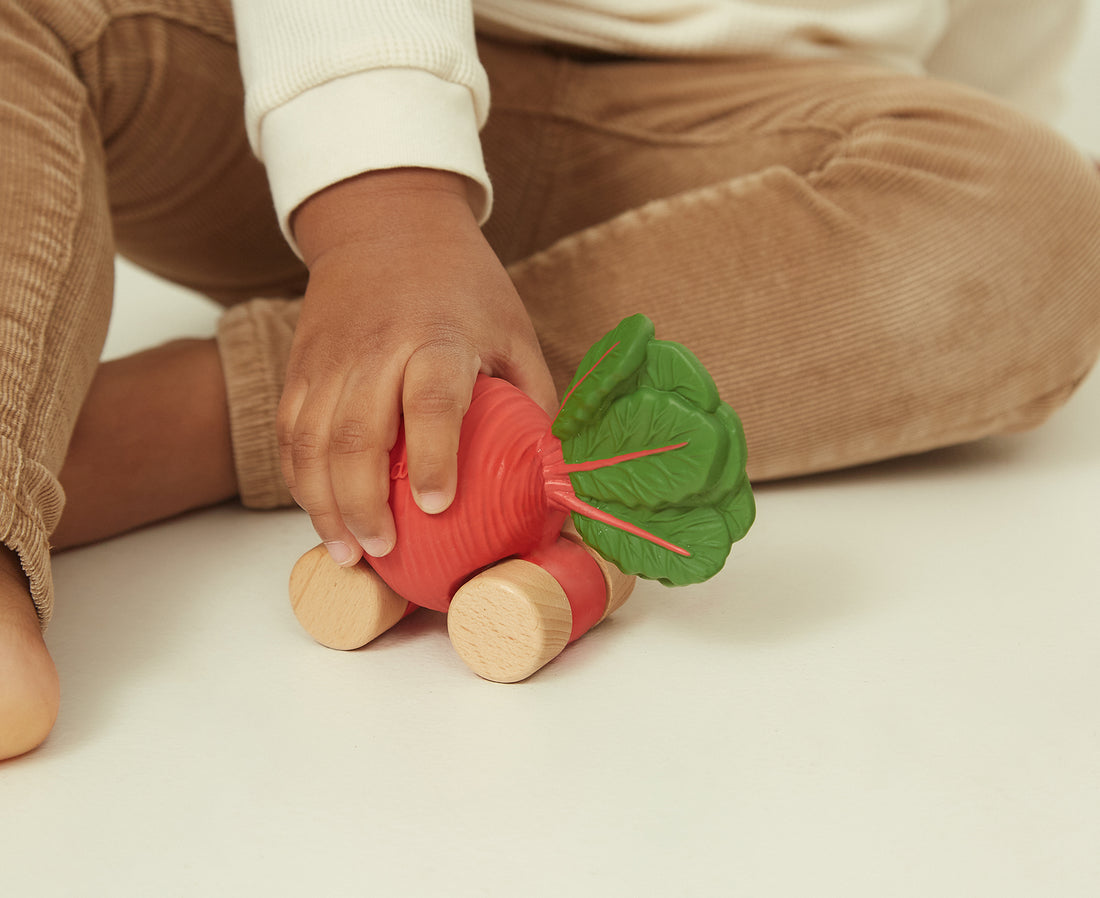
[[438, 384], [335, 444], [362, 433], [334, 449]]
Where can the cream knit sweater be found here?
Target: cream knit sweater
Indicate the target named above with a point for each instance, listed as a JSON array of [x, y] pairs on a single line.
[[339, 87]]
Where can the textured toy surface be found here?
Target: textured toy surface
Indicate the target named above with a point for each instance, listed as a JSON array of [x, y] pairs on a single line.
[[643, 454]]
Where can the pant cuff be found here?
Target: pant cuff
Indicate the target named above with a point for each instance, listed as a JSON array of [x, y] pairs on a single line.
[[29, 511], [254, 344]]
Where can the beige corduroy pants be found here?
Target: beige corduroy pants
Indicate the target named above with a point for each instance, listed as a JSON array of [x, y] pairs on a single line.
[[869, 263]]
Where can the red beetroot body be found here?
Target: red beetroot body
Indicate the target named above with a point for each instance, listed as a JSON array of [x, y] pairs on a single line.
[[501, 508]]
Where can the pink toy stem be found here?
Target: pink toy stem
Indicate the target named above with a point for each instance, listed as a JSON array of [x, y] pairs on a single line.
[[581, 379], [560, 493], [572, 503], [596, 463]]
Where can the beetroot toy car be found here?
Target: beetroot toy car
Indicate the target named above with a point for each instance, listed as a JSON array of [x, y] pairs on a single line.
[[643, 455]]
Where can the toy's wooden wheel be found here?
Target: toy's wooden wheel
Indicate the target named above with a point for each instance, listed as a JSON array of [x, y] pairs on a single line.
[[342, 607], [509, 621]]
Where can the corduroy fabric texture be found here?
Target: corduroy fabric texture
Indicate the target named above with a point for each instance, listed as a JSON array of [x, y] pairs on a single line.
[[870, 264]]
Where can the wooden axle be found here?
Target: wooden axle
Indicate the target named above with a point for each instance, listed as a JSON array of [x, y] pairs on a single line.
[[505, 622]]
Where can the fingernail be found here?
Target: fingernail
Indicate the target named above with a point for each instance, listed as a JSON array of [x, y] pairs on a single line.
[[433, 502], [340, 552], [376, 548]]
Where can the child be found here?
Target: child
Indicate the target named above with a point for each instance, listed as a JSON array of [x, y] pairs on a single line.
[[869, 260]]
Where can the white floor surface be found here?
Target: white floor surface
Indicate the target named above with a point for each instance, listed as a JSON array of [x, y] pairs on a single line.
[[892, 690]]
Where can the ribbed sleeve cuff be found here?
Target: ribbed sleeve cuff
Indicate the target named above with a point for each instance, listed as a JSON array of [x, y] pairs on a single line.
[[370, 121]]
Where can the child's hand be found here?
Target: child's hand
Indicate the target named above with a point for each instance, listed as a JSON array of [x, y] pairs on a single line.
[[406, 304]]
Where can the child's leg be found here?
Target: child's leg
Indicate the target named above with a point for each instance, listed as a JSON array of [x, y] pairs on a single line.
[[870, 264], [152, 441], [113, 117], [181, 426], [56, 269], [198, 212]]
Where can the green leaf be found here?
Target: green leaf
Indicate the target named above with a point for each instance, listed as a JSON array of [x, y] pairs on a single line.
[[648, 441], [702, 531], [738, 508], [732, 469], [674, 368], [607, 370], [650, 420]]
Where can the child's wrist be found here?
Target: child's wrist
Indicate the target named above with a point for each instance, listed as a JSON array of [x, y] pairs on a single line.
[[377, 204]]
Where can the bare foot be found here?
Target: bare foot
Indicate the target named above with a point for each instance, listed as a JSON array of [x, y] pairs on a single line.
[[152, 441], [29, 691]]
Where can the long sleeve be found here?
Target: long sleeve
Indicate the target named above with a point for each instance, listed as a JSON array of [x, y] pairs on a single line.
[[339, 87], [334, 88], [1013, 49]]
